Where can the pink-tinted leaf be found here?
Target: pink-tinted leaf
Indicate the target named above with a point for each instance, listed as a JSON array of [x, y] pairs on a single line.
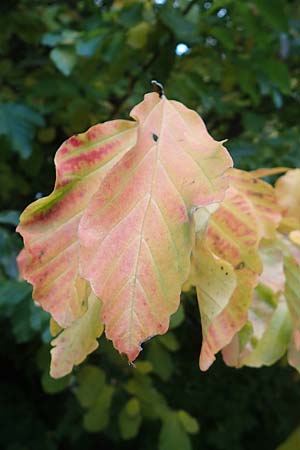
[[273, 274], [49, 225], [233, 235], [136, 233], [292, 294], [248, 214], [287, 190], [74, 343], [263, 199], [263, 305]]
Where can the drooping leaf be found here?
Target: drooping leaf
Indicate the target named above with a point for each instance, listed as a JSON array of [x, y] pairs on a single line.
[[136, 233], [215, 281], [227, 265], [77, 341], [233, 235], [49, 225]]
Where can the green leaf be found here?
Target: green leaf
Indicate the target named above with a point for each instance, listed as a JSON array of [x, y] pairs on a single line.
[[137, 36], [9, 217], [292, 442], [129, 423], [160, 359], [190, 424], [52, 386], [278, 73], [274, 13], [177, 318], [274, 341], [169, 341], [173, 435], [64, 59], [181, 27], [18, 123], [91, 382], [97, 417], [13, 292], [132, 407]]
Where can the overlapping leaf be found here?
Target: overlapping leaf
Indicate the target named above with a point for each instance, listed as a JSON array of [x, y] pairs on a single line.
[[136, 233], [77, 341], [49, 225], [288, 194], [248, 213], [273, 318]]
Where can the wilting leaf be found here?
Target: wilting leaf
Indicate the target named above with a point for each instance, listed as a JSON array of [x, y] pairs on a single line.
[[49, 225], [215, 282], [136, 233], [77, 341]]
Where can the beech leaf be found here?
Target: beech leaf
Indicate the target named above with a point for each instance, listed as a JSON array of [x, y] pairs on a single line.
[[49, 225], [77, 341], [136, 233], [233, 236], [287, 190]]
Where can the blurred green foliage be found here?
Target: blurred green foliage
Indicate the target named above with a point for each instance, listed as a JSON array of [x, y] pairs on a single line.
[[70, 64]]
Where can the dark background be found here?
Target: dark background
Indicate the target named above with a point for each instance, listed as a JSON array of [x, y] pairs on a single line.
[[66, 65]]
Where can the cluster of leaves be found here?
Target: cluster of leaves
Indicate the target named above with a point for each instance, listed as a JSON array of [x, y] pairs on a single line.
[[132, 202], [227, 74]]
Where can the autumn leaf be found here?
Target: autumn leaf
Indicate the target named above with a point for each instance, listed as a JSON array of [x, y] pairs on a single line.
[[248, 213], [137, 233], [74, 343], [287, 190], [49, 225], [263, 200]]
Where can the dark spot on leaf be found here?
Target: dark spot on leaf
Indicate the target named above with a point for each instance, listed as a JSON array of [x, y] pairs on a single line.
[[240, 265], [226, 273], [222, 268], [254, 180], [155, 137]]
